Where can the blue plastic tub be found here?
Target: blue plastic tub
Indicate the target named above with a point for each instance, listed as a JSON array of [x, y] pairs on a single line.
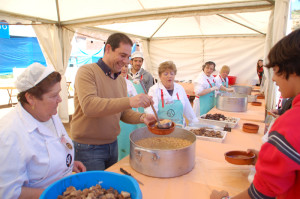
[[91, 178]]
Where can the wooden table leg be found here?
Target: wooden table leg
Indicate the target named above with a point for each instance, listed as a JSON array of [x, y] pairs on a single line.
[[9, 91]]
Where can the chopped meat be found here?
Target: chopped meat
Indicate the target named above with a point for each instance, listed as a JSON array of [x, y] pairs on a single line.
[[94, 192]]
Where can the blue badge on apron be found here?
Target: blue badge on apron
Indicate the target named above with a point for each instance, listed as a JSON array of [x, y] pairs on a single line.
[[69, 160]]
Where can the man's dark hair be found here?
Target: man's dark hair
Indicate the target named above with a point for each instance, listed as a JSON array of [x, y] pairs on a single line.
[[286, 55], [209, 63], [115, 39]]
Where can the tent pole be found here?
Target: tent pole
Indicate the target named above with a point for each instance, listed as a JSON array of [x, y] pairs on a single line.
[[57, 11], [240, 24], [159, 27]]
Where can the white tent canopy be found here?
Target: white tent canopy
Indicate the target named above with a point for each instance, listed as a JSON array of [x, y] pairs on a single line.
[[190, 32]]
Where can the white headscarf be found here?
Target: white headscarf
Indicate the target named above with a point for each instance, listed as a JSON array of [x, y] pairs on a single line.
[[33, 75]]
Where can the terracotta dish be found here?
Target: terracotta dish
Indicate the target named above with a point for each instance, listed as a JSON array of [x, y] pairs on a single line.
[[250, 128], [239, 157], [152, 127], [260, 96], [256, 103]]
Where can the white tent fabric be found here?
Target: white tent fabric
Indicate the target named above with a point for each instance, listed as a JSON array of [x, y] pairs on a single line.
[[56, 46], [190, 54], [277, 31], [230, 32]]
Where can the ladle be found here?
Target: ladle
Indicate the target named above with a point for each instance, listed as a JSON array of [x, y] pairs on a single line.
[[166, 124]]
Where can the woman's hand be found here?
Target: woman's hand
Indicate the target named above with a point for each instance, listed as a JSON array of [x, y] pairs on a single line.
[[229, 89], [214, 88], [218, 194], [78, 167]]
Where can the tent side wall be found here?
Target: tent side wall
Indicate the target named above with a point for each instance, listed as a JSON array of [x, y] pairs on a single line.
[[239, 53]]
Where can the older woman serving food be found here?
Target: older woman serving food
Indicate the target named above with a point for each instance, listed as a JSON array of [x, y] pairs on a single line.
[[205, 86], [170, 99], [35, 148]]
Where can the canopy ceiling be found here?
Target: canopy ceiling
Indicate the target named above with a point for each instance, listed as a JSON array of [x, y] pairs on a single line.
[[189, 32], [146, 19]]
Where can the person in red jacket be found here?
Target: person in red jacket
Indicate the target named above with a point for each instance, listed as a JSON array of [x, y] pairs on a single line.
[[278, 164], [260, 70]]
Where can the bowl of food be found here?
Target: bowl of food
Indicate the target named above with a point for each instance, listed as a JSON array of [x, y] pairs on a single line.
[[240, 157], [81, 183], [153, 128]]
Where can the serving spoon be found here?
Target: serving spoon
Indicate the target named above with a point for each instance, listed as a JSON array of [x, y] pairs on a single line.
[[162, 124]]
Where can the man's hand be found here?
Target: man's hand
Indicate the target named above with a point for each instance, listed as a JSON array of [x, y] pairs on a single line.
[[78, 167], [140, 100], [274, 113], [256, 152], [218, 194], [147, 118]]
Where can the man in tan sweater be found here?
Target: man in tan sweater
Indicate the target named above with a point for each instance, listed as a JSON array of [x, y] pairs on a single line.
[[100, 102]]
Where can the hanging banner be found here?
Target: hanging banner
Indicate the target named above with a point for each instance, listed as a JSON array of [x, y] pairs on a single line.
[[4, 30]]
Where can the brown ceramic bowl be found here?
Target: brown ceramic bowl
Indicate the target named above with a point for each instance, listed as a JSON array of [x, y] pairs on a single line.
[[154, 129], [239, 157], [260, 96], [256, 103], [250, 128]]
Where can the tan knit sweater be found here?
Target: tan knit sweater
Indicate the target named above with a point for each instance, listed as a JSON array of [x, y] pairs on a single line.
[[100, 102]]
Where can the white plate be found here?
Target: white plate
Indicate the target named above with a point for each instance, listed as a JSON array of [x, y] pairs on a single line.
[[220, 123], [202, 124], [212, 139]]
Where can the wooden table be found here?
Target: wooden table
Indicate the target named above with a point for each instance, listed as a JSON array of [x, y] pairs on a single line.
[[9, 91], [211, 171]]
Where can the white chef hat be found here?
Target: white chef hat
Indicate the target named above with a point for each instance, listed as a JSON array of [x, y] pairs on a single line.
[[32, 75], [137, 54]]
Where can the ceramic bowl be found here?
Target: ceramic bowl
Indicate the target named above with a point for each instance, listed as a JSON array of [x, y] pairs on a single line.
[[256, 103], [250, 128], [152, 127], [239, 157]]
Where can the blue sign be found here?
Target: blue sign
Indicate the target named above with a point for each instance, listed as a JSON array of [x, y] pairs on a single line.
[[4, 30]]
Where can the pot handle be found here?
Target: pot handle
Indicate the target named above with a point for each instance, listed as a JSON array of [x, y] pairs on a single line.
[[138, 153]]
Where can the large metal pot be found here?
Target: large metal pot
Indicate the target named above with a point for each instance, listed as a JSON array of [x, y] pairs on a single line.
[[162, 163], [242, 89], [232, 102], [252, 98]]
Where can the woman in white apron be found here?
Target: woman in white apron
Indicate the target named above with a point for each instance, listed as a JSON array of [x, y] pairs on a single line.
[[222, 77], [126, 129], [205, 86], [35, 148], [170, 99]]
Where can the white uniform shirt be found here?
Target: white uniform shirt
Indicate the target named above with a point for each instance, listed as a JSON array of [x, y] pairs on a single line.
[[31, 154], [155, 92], [220, 80], [201, 84], [130, 88]]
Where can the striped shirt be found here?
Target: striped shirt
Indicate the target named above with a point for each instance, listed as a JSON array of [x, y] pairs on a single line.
[[278, 166]]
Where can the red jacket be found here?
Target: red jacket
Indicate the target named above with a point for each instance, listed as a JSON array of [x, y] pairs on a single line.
[[278, 165]]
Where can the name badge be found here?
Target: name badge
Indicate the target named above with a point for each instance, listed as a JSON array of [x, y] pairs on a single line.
[[64, 141]]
